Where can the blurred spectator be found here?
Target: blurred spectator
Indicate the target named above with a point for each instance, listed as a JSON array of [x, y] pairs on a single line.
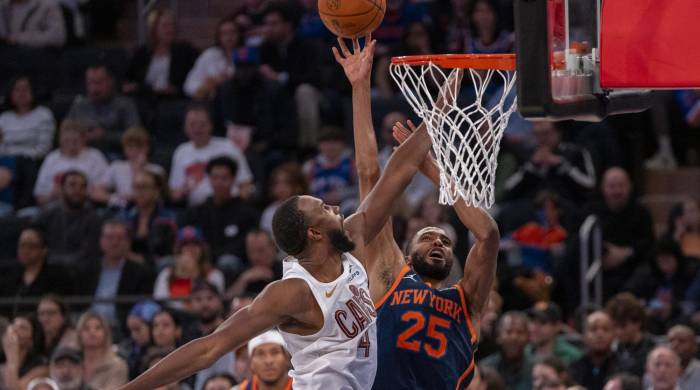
[[26, 128], [167, 330], [56, 324], [628, 232], [682, 340], [32, 276], [67, 369], [102, 368], [599, 362], [458, 28], [684, 227], [72, 225], [264, 265], [663, 369], [269, 362], [115, 188], [115, 274], [250, 16], [623, 382], [188, 178], [548, 370], [106, 113], [512, 362], [241, 368], [32, 23], [490, 378], [42, 384], [220, 382], [155, 355], [192, 263], [487, 326], [154, 226], [215, 65], [223, 218], [72, 154], [285, 181], [487, 32], [331, 174], [138, 324], [663, 284], [399, 14], [310, 24], [22, 360], [432, 213], [160, 67], [562, 168], [545, 338], [633, 344]]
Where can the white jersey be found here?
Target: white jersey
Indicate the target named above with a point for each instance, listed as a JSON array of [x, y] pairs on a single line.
[[343, 354]]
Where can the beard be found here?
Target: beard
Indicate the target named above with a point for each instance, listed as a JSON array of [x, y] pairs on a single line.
[[433, 271], [340, 241]]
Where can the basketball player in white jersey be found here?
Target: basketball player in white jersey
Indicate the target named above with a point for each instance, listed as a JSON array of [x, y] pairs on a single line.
[[322, 305]]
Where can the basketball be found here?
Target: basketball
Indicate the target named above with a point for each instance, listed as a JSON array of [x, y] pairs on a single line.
[[351, 18]]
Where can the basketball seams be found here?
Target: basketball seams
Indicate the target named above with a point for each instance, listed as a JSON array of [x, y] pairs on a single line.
[[348, 25], [347, 15]]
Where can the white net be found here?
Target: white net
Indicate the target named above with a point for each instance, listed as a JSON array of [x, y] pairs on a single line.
[[465, 139]]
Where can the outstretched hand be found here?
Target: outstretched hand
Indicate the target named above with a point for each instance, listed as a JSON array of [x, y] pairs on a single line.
[[401, 134], [357, 63]]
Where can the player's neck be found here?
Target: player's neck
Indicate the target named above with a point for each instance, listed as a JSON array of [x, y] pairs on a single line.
[[322, 265]]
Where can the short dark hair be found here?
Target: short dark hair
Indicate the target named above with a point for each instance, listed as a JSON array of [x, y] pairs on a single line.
[[231, 380], [72, 172], [8, 98], [40, 233], [285, 11], [124, 224], [198, 106], [223, 161], [628, 381], [625, 307], [101, 65], [289, 227]]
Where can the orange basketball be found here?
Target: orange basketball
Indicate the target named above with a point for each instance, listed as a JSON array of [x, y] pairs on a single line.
[[351, 18]]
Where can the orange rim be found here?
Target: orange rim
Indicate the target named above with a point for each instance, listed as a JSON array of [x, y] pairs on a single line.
[[464, 61]]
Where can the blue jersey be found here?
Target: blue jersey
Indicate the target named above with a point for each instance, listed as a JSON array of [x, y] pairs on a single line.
[[425, 336]]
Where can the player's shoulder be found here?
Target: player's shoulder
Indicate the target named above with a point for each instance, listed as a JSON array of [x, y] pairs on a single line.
[[289, 294]]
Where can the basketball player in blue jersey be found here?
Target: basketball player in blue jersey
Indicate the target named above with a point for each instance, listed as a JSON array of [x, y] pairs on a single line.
[[427, 333]]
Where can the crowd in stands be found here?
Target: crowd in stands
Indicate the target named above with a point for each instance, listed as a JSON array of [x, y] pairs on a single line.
[[137, 190]]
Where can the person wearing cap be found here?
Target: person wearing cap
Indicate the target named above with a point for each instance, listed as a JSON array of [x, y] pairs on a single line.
[[269, 363], [42, 384], [192, 263], [545, 338], [66, 369], [138, 324]]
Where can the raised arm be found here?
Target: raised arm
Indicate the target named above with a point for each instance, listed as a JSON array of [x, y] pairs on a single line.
[[280, 301]]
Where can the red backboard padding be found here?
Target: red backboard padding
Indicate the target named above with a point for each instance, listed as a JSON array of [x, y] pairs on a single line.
[[650, 44]]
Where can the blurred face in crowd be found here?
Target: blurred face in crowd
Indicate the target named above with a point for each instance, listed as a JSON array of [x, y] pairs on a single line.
[[484, 17], [663, 368], [614, 384], [431, 254], [270, 362], [431, 210], [229, 35], [542, 373], [616, 188], [281, 186], [74, 191], [100, 85], [681, 339], [24, 329], [220, 383], [114, 241], [260, 249], [542, 332], [165, 29], [50, 317], [21, 95], [166, 332], [207, 306], [198, 127], [139, 330], [136, 151], [667, 263], [92, 334], [31, 250], [67, 373], [276, 28], [331, 149], [598, 333], [546, 135], [145, 190], [71, 142], [627, 332], [513, 336], [221, 181], [417, 38]]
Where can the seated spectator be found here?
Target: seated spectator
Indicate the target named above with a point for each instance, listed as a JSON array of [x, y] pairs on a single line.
[[105, 113], [682, 341], [623, 382], [599, 362], [684, 227], [115, 274], [72, 226], [32, 23], [56, 324], [545, 338], [188, 178], [269, 362], [285, 181], [264, 265], [26, 129], [154, 226], [102, 368], [663, 369], [161, 66], [32, 276], [663, 284], [166, 330], [512, 362], [155, 355], [66, 369], [215, 65], [116, 187], [628, 232], [487, 326], [487, 33], [224, 219], [135, 346], [220, 382], [633, 344], [192, 263], [22, 360], [559, 167], [548, 370], [331, 174], [72, 154], [250, 16]]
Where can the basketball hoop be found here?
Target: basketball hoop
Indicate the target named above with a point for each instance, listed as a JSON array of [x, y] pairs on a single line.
[[465, 139]]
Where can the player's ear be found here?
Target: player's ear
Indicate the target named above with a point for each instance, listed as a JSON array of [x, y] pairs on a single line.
[[313, 234]]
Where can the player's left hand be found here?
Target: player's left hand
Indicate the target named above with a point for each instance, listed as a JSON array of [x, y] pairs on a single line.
[[357, 63]]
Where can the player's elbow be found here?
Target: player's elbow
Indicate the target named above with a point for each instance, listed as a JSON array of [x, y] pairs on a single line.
[[491, 235]]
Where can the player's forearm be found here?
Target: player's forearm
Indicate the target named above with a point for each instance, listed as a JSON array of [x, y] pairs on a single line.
[[366, 155]]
